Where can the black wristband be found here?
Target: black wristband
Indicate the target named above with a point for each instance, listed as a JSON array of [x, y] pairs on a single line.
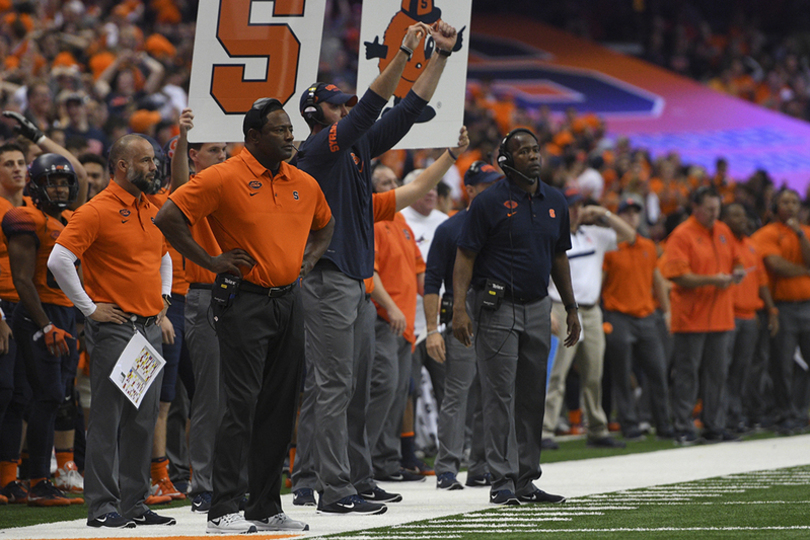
[[452, 155], [443, 52], [407, 51], [569, 307]]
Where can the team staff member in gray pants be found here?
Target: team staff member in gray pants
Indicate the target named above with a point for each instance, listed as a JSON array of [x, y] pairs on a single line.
[[126, 268], [459, 361], [338, 154], [514, 238], [273, 224]]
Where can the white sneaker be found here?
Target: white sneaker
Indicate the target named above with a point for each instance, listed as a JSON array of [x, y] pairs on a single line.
[[68, 478], [230, 524], [279, 522]]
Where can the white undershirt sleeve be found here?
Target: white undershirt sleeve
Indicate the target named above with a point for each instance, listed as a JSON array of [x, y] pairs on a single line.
[[61, 265], [166, 274]]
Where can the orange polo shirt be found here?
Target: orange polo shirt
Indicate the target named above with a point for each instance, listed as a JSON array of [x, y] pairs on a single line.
[[692, 248], [385, 208], [7, 290], [115, 236], [397, 260], [779, 239], [746, 293], [270, 217], [628, 283], [32, 221], [179, 283]]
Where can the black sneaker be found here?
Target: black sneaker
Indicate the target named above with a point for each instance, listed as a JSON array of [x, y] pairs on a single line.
[[401, 476], [505, 497], [478, 480], [15, 492], [723, 436], [151, 518], [304, 497], [113, 520], [633, 435], [353, 504], [549, 444], [201, 503], [605, 442], [379, 495], [540, 496], [448, 481]]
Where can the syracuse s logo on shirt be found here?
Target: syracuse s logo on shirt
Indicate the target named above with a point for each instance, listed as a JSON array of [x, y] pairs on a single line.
[[511, 205]]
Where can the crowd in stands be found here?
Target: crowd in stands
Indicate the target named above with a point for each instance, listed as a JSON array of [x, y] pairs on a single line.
[[88, 72]]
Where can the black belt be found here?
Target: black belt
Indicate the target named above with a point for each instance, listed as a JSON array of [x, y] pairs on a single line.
[[143, 321], [200, 286], [272, 292], [520, 300], [587, 306]]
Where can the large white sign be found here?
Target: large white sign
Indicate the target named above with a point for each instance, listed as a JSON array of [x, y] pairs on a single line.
[[249, 49], [384, 24]]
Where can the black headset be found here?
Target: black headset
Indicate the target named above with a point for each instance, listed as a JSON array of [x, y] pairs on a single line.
[[504, 155], [312, 111]]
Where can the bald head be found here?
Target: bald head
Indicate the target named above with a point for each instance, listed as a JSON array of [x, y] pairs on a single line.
[[132, 163]]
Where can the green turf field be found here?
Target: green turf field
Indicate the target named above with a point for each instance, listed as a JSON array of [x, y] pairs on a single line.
[[757, 505]]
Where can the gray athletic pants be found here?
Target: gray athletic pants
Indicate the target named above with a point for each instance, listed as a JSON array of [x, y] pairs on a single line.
[[794, 330], [742, 349], [636, 339], [339, 336], [511, 346], [119, 436], [390, 379], [461, 375], [699, 361], [206, 406], [305, 468]]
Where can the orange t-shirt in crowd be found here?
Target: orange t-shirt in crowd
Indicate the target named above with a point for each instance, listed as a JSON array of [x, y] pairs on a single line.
[[45, 229], [746, 293], [628, 283], [179, 283], [398, 261], [115, 236], [779, 239], [270, 217], [385, 208], [692, 248], [7, 290]]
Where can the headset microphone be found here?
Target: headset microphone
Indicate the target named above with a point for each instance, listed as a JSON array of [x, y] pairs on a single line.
[[531, 181]]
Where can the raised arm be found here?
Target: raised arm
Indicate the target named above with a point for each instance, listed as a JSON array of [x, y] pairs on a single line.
[[413, 191], [179, 166]]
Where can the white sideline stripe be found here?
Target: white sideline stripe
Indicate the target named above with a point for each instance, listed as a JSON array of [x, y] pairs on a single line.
[[556, 531], [422, 501]]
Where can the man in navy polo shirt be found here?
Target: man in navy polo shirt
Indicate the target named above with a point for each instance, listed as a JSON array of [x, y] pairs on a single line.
[[514, 238], [339, 319]]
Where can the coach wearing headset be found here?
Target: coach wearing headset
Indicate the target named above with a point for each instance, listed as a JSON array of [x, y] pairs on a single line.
[[515, 237]]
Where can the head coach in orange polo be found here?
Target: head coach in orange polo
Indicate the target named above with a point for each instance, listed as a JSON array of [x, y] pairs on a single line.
[[126, 268], [273, 223]]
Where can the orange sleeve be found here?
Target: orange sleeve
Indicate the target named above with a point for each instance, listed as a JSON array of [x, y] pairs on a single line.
[[385, 205], [81, 231], [199, 197], [675, 261], [767, 242], [420, 263]]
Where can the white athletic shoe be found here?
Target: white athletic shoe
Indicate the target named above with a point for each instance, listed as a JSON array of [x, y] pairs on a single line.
[[230, 524], [68, 479], [279, 522]]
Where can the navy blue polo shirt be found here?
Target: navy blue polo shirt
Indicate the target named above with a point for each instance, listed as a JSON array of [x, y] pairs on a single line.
[[516, 236], [338, 158], [442, 255]]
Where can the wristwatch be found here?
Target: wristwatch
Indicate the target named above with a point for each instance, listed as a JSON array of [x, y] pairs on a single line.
[[168, 299], [573, 306]]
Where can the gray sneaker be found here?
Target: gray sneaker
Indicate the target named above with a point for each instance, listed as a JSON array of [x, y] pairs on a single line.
[[230, 524], [279, 522]]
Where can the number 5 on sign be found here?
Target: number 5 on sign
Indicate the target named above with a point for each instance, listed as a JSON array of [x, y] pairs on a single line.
[[249, 49]]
